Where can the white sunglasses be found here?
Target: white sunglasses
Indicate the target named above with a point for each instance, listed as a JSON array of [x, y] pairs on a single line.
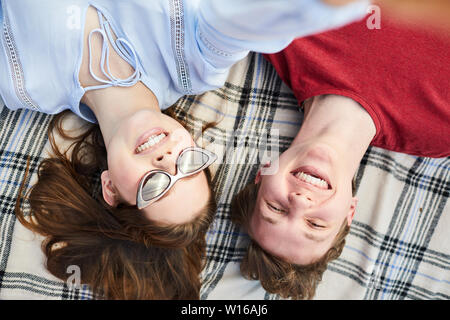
[[156, 183]]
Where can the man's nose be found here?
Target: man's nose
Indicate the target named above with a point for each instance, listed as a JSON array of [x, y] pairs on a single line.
[[300, 200]]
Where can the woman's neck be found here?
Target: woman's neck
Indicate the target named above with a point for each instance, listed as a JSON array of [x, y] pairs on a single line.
[[113, 105], [341, 123]]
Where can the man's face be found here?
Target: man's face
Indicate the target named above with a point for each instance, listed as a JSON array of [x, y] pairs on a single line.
[[300, 209]]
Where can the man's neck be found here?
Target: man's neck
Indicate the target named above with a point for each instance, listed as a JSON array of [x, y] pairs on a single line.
[[339, 122]]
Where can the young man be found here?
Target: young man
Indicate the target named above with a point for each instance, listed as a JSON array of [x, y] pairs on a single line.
[[387, 88]]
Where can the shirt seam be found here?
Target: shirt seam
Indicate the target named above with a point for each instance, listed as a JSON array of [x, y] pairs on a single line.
[[18, 78], [177, 28], [211, 47]]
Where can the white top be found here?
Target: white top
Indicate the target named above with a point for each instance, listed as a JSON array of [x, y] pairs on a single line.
[[176, 47]]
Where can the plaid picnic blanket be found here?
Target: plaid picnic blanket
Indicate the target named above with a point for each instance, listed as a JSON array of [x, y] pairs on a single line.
[[398, 246]]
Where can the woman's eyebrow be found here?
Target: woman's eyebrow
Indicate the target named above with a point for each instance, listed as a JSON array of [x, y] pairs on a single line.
[[189, 178]]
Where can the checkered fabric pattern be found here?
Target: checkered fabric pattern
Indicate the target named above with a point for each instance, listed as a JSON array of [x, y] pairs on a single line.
[[398, 246]]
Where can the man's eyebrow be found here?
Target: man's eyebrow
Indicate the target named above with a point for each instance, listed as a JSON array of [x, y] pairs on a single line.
[[313, 237], [266, 218]]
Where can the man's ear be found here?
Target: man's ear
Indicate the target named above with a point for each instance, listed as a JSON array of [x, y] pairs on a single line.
[[351, 212], [110, 194], [258, 175]]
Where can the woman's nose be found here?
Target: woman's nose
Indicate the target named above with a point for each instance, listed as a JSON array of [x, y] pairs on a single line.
[[166, 161]]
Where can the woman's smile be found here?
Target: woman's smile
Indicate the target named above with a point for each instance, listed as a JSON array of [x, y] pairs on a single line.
[[152, 143], [146, 136]]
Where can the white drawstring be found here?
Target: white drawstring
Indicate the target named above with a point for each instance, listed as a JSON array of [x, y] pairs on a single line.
[[123, 48]]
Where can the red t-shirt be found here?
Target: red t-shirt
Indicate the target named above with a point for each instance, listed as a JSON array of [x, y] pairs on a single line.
[[399, 74]]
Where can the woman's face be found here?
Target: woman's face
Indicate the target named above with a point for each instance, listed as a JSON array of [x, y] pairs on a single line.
[[129, 160]]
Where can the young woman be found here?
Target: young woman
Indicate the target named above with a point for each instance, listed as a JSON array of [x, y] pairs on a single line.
[[119, 64], [358, 87]]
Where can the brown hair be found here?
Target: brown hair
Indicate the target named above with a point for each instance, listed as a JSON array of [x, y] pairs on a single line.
[[121, 254], [277, 276]]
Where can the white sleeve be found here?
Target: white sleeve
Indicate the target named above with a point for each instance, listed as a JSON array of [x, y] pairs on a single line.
[[228, 29]]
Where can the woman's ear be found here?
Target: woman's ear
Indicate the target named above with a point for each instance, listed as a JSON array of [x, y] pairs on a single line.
[[352, 210], [110, 194]]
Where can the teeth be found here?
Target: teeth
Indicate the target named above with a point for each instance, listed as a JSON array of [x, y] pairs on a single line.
[[150, 142], [312, 180]]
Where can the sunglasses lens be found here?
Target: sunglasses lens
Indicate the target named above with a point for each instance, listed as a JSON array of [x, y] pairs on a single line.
[[192, 160], [155, 184]]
